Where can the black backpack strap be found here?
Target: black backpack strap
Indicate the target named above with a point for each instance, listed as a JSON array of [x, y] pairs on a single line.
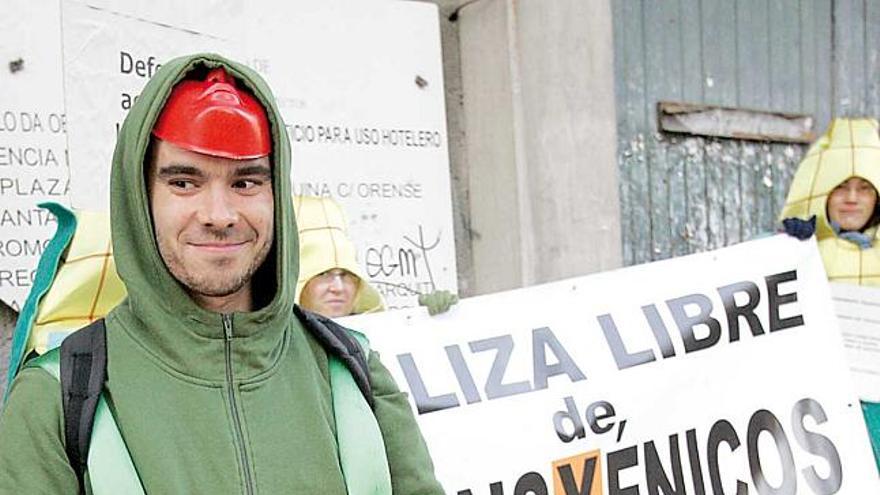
[[83, 365], [337, 340]]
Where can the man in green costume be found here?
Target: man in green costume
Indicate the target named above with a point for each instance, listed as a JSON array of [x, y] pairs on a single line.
[[212, 380]]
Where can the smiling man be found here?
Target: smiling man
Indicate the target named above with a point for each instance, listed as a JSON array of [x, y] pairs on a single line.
[[214, 382], [213, 219]]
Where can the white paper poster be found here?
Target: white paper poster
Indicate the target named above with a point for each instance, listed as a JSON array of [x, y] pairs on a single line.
[[109, 56], [33, 163], [361, 89], [719, 372], [858, 309]]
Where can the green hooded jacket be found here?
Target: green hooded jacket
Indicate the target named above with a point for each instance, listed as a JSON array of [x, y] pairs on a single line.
[[200, 412]]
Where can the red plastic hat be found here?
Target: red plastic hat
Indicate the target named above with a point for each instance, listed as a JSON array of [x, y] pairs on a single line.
[[215, 118]]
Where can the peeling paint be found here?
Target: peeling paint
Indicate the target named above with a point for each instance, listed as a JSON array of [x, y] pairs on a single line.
[[725, 191]]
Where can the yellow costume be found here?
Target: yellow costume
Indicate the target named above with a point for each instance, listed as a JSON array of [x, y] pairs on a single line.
[[850, 148], [845, 262], [85, 287], [324, 245]]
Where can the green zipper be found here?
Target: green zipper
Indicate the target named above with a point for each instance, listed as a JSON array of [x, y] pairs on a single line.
[[233, 406]]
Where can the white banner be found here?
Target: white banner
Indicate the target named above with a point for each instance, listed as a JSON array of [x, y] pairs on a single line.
[[710, 373]]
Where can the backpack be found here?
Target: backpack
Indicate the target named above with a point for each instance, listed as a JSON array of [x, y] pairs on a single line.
[[82, 371]]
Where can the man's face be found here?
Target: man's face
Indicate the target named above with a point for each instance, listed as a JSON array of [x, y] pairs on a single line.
[[851, 203], [331, 293], [213, 218]]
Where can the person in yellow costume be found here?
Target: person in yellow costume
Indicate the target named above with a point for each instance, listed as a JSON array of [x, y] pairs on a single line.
[[330, 281], [837, 184]]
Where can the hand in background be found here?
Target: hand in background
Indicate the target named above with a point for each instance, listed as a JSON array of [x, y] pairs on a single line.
[[438, 301], [800, 229]]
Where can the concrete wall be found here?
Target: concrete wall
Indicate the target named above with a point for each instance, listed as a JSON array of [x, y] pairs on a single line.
[[458, 170], [539, 149]]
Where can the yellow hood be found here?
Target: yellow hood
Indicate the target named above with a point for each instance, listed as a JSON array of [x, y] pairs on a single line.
[[324, 245], [850, 147]]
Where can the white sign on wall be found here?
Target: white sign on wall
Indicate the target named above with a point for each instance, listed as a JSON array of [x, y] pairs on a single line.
[[361, 89], [710, 373], [108, 58], [360, 86], [33, 163]]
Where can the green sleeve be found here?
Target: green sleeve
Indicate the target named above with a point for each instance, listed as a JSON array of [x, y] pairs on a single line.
[[412, 472], [32, 457]]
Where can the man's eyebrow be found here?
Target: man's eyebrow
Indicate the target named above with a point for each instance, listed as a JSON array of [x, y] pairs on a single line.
[[251, 170], [174, 170]]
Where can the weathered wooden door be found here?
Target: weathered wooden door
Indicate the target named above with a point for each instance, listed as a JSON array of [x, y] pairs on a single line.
[[681, 194]]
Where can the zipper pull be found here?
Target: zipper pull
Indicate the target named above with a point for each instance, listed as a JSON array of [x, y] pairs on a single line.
[[227, 325]]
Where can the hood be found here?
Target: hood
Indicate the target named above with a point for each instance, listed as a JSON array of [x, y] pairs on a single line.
[[154, 295], [849, 148], [325, 245]]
